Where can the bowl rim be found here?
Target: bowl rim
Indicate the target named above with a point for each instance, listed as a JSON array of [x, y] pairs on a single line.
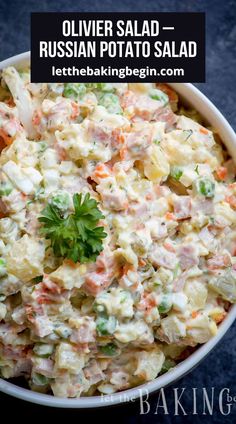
[[228, 136]]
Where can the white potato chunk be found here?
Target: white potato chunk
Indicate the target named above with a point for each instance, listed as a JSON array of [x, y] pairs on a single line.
[[68, 276], [25, 259], [134, 331], [149, 364], [69, 359], [156, 167], [196, 293], [201, 328], [173, 328], [116, 302]]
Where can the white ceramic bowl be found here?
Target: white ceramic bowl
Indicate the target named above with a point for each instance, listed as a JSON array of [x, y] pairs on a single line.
[[193, 97]]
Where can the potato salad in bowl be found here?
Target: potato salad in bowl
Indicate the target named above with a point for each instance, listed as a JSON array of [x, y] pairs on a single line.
[[117, 234]]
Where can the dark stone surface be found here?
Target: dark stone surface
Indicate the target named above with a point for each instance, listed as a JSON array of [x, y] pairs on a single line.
[[218, 370]]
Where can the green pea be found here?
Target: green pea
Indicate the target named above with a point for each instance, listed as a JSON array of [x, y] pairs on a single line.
[[111, 102], [176, 172], [38, 279], [2, 267], [5, 188], [168, 364], [74, 90], [106, 325], [39, 380], [205, 187], [42, 146], [43, 350], [109, 350], [165, 305], [156, 94], [100, 86], [99, 309]]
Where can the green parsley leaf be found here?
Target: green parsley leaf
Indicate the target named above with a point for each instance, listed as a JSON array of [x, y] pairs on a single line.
[[75, 236]]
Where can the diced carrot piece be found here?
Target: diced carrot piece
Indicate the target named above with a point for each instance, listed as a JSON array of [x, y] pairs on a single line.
[[101, 171], [123, 152], [2, 144], [231, 200], [141, 262], [37, 118], [203, 130], [149, 196], [232, 185], [169, 247], [170, 216], [3, 209], [146, 303], [194, 314], [126, 268], [7, 139], [75, 112], [219, 317], [10, 102], [70, 263], [118, 135], [221, 173]]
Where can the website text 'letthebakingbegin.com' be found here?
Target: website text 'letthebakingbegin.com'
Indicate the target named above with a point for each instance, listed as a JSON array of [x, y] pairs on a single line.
[[121, 73]]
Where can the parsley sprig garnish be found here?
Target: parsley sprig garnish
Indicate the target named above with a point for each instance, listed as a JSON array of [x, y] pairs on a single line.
[[75, 236]]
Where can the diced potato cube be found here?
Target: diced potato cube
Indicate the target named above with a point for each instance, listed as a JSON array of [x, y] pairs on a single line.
[[201, 328], [25, 258], [173, 328], [117, 302], [196, 293], [157, 166], [149, 364], [134, 330], [225, 285], [68, 276], [69, 359]]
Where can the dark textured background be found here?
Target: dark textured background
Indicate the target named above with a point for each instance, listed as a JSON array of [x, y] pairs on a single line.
[[218, 370]]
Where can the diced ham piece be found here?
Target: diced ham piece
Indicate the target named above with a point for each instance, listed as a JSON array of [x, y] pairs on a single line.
[[13, 352], [158, 229], [180, 281], [23, 367], [85, 333], [136, 144], [113, 198], [207, 237], [204, 206], [219, 261], [95, 282], [162, 257], [97, 132], [45, 367], [165, 115], [143, 107], [188, 256], [93, 372], [41, 323], [182, 207]]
